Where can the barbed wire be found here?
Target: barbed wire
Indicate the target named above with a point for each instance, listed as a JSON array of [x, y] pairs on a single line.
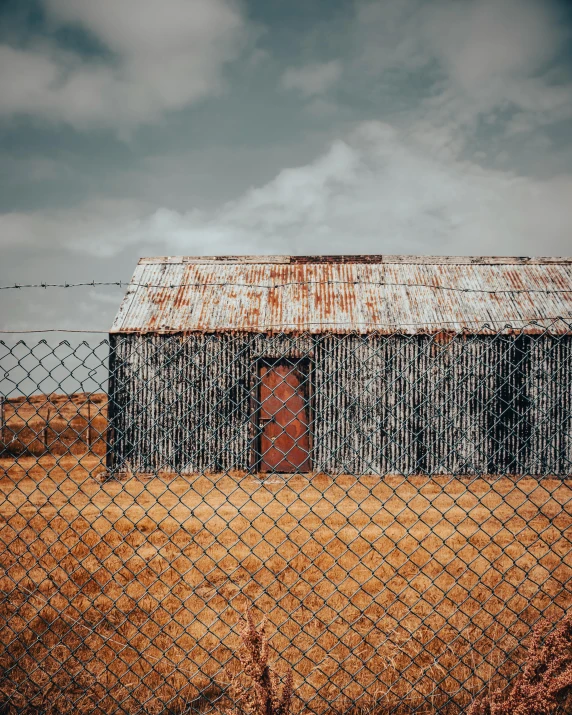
[[503, 324], [224, 284]]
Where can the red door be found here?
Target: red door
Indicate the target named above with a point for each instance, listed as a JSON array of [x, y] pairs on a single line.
[[283, 418]]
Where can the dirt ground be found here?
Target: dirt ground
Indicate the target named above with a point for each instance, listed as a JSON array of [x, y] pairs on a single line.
[[126, 594]]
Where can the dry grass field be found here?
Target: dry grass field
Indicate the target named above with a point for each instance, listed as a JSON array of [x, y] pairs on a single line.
[[59, 424], [125, 594]]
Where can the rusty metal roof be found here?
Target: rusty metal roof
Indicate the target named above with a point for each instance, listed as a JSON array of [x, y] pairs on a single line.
[[293, 294]]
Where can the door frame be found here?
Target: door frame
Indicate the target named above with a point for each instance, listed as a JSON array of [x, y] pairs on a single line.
[[306, 367]]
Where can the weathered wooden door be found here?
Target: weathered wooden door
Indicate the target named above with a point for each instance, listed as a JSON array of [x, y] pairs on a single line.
[[283, 418]]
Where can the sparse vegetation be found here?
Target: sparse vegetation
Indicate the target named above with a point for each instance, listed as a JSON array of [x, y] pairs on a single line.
[[262, 694], [544, 687]]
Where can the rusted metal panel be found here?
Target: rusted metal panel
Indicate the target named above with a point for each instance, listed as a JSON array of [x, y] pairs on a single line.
[[340, 297], [214, 259], [362, 258]]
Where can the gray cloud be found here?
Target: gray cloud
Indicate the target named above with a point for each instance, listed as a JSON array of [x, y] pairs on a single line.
[[313, 79], [480, 56], [392, 127], [481, 42], [163, 56]]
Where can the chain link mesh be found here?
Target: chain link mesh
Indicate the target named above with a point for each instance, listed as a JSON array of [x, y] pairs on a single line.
[[399, 506]]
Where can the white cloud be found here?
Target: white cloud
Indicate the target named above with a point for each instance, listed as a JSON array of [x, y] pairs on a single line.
[[378, 191], [163, 56], [312, 79]]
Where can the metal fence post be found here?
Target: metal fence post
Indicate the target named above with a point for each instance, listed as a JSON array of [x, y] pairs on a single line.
[[88, 423], [2, 418]]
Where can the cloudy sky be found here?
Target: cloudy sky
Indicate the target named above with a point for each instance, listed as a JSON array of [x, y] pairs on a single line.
[[147, 127]]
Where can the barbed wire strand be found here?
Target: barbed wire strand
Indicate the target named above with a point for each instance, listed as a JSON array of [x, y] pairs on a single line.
[[230, 284], [506, 323]]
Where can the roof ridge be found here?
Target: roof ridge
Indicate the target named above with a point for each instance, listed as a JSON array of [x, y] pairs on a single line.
[[357, 259]]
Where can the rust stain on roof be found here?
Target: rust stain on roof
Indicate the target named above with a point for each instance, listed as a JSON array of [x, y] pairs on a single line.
[[344, 293]]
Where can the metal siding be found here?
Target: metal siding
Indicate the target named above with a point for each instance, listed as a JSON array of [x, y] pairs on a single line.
[[343, 297], [380, 404], [550, 388], [182, 404]]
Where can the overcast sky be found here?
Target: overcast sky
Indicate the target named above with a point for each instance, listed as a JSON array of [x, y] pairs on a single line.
[[147, 127]]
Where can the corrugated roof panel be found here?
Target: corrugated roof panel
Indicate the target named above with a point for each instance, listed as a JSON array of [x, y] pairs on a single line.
[[339, 296]]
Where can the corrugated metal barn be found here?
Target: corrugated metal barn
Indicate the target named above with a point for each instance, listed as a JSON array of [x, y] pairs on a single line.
[[344, 364]]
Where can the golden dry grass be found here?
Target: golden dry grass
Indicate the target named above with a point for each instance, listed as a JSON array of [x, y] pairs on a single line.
[[55, 424], [129, 592]]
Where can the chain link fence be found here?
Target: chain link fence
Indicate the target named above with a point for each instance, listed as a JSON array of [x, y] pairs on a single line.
[[398, 506]]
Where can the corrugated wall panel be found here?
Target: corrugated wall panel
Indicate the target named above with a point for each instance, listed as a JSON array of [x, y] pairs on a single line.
[[380, 404], [180, 404]]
